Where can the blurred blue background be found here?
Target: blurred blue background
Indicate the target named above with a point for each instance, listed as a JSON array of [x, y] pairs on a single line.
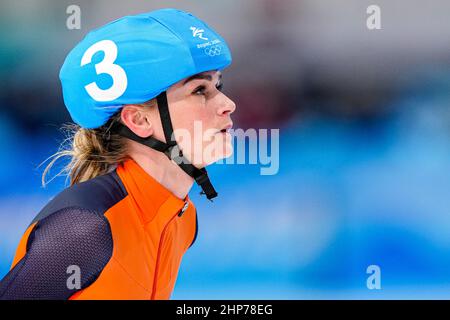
[[364, 119]]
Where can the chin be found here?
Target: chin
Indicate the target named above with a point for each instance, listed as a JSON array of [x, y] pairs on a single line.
[[228, 151], [220, 149]]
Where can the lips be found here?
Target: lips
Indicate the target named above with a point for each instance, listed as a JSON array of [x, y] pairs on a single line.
[[226, 127]]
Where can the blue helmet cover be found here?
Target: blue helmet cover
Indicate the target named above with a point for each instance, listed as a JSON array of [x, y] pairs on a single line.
[[134, 59]]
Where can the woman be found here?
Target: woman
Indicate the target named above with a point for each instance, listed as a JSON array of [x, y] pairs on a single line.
[[139, 89]]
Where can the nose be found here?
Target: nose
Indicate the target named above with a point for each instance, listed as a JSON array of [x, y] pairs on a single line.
[[227, 106]]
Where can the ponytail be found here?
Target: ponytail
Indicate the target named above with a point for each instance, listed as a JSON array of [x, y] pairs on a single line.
[[93, 152]]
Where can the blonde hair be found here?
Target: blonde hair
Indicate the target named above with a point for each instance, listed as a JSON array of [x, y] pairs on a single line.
[[93, 152]]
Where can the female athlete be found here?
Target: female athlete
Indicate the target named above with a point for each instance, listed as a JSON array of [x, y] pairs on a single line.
[[145, 94]]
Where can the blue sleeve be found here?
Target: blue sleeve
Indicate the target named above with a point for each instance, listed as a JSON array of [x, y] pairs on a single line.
[[66, 251]]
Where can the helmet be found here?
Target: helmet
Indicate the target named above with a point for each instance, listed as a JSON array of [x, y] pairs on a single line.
[[134, 59]]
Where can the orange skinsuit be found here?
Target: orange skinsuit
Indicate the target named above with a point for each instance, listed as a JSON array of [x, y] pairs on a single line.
[[132, 238]]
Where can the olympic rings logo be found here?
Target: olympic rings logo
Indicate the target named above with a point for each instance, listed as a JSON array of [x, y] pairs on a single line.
[[213, 50]]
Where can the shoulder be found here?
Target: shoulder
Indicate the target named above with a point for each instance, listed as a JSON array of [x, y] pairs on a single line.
[[74, 219], [95, 195], [72, 234], [71, 227], [70, 237], [71, 230]]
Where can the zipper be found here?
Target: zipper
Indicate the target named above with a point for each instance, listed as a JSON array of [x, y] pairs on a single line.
[[186, 205], [159, 249]]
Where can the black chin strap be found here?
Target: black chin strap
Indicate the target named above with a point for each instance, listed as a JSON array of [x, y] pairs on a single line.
[[170, 149]]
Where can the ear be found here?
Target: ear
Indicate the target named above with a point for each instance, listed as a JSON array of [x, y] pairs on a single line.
[[135, 118]]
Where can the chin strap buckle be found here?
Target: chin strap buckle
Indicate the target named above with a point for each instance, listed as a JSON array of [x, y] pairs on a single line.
[[207, 188]]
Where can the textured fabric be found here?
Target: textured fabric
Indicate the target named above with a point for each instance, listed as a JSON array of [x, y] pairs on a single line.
[[69, 237]]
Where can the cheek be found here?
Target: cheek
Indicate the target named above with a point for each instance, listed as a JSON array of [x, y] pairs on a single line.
[[192, 122], [194, 116], [183, 115]]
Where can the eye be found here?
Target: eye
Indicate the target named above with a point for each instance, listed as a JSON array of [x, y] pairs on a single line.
[[200, 90]]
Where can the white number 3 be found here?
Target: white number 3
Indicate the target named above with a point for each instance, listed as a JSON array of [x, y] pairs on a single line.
[[118, 75]]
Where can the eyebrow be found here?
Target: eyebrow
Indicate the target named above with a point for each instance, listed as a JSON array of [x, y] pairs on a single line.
[[201, 76]]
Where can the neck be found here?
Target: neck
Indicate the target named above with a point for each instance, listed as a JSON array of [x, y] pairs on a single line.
[[165, 171]]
